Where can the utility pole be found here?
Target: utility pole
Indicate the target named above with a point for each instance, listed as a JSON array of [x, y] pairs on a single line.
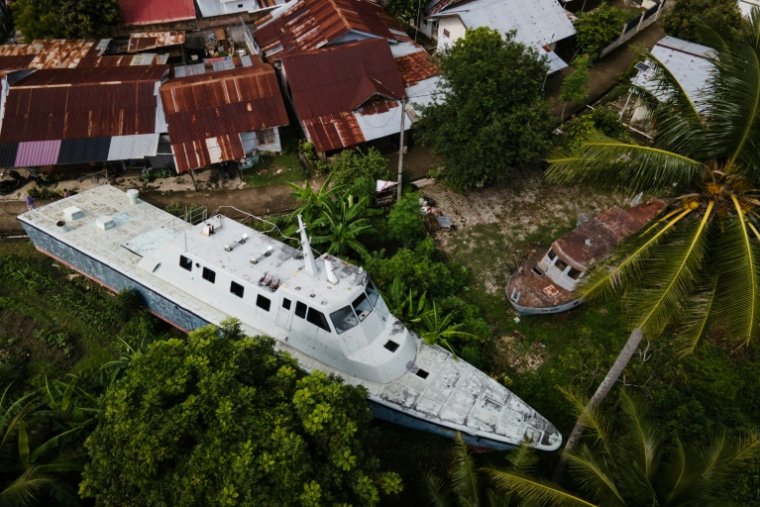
[[401, 147]]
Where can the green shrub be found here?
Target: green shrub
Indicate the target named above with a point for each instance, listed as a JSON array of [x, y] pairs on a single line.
[[405, 221], [44, 193], [349, 165], [597, 28], [684, 19]]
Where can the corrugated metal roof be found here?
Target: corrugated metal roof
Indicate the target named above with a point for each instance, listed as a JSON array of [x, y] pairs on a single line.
[[688, 62], [152, 40], [77, 151], [416, 67], [537, 23], [189, 70], [50, 54], [8, 153], [330, 84], [133, 147], [303, 25], [220, 105], [38, 153], [123, 60], [81, 103], [146, 12]]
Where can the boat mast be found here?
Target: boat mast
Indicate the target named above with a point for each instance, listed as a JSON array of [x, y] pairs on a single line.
[[308, 256]]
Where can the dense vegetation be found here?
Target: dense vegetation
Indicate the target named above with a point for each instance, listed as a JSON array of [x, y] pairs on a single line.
[[687, 18], [597, 28], [50, 19], [478, 130]]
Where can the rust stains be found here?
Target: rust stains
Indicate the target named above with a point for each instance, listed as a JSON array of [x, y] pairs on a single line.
[[203, 152], [416, 67], [50, 54], [153, 40], [335, 131]]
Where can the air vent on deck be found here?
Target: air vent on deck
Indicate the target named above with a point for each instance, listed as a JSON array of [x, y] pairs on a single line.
[[391, 345]]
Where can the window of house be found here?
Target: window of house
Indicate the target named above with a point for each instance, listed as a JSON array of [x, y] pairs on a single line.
[[263, 302], [300, 310], [237, 289], [446, 33], [362, 306], [286, 303], [552, 255], [209, 275], [560, 264], [574, 273], [265, 136], [185, 263], [318, 319], [344, 319]]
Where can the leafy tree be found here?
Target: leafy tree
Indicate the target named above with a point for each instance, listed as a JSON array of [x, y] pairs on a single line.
[[340, 224], [44, 19], [697, 266], [723, 15], [490, 114], [405, 221], [405, 9], [574, 85], [634, 465], [600, 120], [223, 419], [349, 165], [598, 27]]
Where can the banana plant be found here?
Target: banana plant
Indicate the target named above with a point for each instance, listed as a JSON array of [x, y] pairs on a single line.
[[435, 328]]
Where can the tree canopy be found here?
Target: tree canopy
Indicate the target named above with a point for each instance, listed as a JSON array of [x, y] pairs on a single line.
[[683, 21], [45, 19], [598, 27], [491, 114], [223, 419]]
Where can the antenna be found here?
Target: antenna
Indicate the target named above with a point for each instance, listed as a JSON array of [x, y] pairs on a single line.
[[330, 273], [308, 256]]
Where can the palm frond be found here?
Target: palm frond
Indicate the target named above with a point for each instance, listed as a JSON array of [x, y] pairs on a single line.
[[593, 477], [698, 313], [745, 449], [602, 280], [435, 491], [522, 458], [609, 163], [591, 418], [25, 490], [464, 478], [645, 445], [738, 304], [671, 275], [535, 492], [675, 477]]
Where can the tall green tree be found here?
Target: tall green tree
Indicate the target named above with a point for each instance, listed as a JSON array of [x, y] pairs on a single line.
[[598, 27], [574, 85], [680, 22], [698, 265], [630, 464], [68, 19], [223, 419], [491, 114]]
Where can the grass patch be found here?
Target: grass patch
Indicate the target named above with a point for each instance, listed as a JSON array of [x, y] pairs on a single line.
[[274, 170]]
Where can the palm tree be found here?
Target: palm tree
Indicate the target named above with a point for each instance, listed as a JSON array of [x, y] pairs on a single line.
[[635, 466], [697, 266]]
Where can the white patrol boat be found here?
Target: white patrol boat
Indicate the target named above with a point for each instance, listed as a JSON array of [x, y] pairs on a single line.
[[325, 312]]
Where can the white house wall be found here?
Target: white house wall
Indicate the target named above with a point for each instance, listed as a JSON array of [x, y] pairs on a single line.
[[455, 29]]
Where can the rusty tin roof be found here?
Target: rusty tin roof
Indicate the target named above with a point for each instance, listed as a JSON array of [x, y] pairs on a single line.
[[82, 103], [50, 54], [303, 25], [220, 105], [416, 67], [146, 12], [328, 86], [596, 239], [153, 40]]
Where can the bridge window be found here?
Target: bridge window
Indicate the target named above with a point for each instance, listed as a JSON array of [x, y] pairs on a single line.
[[318, 319], [263, 302], [300, 310], [574, 273], [560, 264], [185, 263], [286, 303], [362, 306], [237, 289], [552, 255], [209, 275], [373, 293], [344, 319]]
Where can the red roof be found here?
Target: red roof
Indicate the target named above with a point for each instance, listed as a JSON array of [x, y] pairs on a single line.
[[146, 12], [328, 85], [311, 24], [82, 103], [220, 105], [416, 67]]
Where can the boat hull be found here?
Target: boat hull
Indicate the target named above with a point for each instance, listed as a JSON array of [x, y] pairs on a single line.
[[187, 321], [528, 310]]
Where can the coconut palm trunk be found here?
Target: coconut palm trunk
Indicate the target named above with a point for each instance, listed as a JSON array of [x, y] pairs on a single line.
[[601, 392]]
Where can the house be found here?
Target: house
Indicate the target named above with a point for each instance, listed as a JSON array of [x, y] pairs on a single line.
[[538, 24], [345, 95], [149, 12], [688, 62], [210, 8], [81, 115], [225, 115], [306, 25]]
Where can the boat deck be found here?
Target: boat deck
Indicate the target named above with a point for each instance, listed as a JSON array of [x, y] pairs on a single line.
[[537, 291]]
